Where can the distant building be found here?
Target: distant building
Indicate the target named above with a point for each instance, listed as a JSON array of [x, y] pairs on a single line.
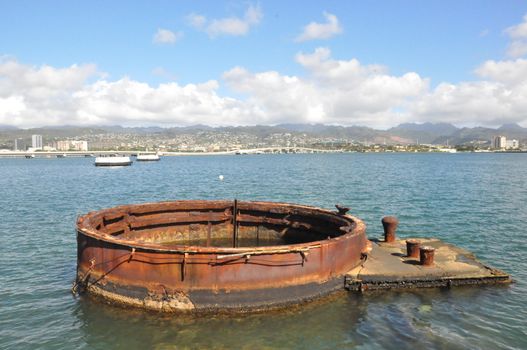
[[447, 150], [36, 142], [71, 145], [62, 145], [499, 142], [20, 145], [80, 145], [512, 144]]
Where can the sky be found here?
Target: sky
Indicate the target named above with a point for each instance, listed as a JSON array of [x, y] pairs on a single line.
[[178, 63]]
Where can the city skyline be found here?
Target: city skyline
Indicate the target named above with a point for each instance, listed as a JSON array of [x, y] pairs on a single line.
[[203, 138], [248, 63]]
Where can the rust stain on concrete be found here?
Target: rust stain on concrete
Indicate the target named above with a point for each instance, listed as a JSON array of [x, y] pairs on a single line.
[[389, 267]]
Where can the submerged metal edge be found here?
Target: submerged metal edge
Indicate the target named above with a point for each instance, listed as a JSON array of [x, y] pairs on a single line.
[[223, 301]]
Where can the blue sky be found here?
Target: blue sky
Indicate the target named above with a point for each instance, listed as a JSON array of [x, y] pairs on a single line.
[[441, 41]]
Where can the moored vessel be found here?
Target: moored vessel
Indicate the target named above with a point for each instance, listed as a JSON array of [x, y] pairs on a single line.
[[113, 161], [147, 157]]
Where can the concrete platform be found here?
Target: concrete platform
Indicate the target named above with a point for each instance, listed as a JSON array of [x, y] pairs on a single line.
[[388, 267]]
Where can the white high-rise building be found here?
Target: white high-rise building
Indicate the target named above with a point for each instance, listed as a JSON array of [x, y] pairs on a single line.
[[36, 141], [499, 142]]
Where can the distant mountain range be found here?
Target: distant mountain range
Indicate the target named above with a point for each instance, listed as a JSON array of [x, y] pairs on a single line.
[[407, 133]]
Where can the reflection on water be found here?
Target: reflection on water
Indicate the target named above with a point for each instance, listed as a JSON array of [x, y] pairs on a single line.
[[278, 329], [345, 320]]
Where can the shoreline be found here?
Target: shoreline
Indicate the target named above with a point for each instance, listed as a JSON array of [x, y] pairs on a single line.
[[58, 154], [251, 151]]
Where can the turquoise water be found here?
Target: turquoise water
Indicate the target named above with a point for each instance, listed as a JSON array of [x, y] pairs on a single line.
[[477, 201]]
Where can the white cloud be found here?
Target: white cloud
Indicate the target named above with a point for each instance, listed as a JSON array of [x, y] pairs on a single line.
[[196, 21], [43, 81], [343, 92], [473, 103], [507, 72], [347, 92], [235, 26], [518, 34], [165, 36], [501, 97], [517, 48], [518, 31], [79, 95], [314, 30], [333, 91], [330, 71], [131, 102], [12, 105], [281, 98]]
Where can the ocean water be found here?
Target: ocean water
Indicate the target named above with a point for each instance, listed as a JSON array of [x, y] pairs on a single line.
[[476, 201]]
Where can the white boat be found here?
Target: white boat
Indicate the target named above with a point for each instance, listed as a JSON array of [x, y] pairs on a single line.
[[112, 161], [147, 157]]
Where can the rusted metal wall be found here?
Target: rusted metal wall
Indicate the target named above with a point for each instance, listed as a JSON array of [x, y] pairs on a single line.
[[120, 256]]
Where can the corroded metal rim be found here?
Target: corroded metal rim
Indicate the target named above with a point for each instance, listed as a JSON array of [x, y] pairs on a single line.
[[87, 224], [121, 258]]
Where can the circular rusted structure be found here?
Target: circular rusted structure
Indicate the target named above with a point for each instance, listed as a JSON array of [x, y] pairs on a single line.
[[216, 255]]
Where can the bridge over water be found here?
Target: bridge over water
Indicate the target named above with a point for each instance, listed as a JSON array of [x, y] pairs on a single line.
[[60, 154]]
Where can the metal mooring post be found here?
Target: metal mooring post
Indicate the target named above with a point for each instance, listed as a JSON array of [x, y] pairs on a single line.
[[235, 223], [389, 224]]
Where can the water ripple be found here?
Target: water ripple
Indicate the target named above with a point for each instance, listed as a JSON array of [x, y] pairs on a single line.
[[476, 201]]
